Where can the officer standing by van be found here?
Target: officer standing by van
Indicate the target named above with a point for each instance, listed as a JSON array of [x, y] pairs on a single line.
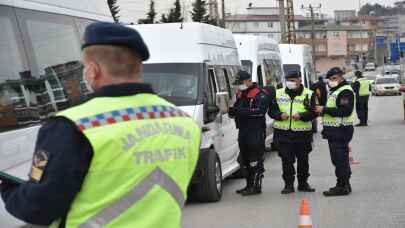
[[292, 110], [362, 88], [338, 117], [96, 164], [249, 112]]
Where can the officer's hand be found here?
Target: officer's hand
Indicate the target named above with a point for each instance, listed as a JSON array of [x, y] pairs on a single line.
[[296, 116], [284, 116], [319, 109]]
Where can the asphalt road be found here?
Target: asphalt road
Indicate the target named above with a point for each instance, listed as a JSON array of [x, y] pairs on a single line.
[[377, 201]]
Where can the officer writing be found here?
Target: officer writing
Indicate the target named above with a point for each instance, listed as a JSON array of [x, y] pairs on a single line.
[[249, 112], [292, 110], [98, 164], [338, 117], [362, 88]]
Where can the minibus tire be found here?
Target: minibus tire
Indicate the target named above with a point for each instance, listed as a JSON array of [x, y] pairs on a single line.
[[207, 190]]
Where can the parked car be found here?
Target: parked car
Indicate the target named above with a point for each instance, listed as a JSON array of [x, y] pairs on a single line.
[[370, 67], [386, 86]]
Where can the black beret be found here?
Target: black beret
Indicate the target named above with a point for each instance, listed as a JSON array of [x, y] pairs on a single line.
[[358, 73], [293, 74], [334, 71], [241, 76], [105, 33]]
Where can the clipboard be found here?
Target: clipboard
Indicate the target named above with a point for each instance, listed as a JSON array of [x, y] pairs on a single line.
[[10, 179]]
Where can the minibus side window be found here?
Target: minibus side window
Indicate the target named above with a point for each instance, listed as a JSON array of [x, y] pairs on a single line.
[[228, 84], [15, 101], [210, 98]]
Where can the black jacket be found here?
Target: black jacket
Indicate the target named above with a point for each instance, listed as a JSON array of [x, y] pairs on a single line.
[[289, 136], [249, 111], [69, 155], [345, 107]]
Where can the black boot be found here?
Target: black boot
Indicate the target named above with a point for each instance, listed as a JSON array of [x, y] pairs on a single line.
[[303, 186], [257, 185], [288, 188], [249, 183], [342, 188]]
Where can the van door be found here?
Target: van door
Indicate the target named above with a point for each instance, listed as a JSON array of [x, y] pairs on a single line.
[[213, 118], [231, 147]]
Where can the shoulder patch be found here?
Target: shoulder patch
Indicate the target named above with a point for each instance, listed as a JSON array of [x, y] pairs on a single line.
[[39, 163]]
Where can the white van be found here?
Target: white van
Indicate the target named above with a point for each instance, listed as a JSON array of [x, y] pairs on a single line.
[[40, 70], [299, 57], [260, 56], [193, 66]]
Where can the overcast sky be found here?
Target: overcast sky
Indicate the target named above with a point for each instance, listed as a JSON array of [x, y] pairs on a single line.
[[132, 10]]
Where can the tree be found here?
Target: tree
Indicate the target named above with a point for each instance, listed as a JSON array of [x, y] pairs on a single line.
[[379, 10], [199, 13], [174, 15], [114, 9], [151, 15]]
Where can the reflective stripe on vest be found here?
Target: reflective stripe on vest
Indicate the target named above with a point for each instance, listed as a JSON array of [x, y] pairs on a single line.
[[129, 114], [364, 89], [157, 177], [290, 107], [330, 121]]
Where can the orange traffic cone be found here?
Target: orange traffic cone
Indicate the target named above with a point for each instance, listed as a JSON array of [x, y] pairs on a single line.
[[351, 158], [305, 215]]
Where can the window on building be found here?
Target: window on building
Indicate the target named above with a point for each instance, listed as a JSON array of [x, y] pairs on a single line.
[[256, 24], [336, 34], [270, 24]]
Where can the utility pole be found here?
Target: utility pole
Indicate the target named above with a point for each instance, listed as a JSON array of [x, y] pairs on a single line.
[[292, 38], [311, 10], [282, 21], [213, 10], [223, 14]]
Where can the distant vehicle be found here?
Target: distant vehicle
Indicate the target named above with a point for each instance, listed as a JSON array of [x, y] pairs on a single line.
[[40, 70], [299, 57], [386, 86], [194, 67], [370, 67], [260, 56]]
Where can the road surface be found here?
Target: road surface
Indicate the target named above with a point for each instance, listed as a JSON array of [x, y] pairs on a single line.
[[377, 201]]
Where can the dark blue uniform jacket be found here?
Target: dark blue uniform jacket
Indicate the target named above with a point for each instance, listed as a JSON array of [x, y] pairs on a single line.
[[68, 155]]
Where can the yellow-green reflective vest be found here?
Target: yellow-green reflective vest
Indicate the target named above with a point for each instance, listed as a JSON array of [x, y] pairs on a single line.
[[145, 153], [292, 107], [330, 121], [364, 87]]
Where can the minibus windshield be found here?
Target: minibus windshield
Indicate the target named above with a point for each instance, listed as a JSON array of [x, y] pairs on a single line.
[[176, 82]]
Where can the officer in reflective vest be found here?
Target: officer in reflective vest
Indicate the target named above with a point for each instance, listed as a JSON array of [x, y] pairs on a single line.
[[362, 88], [122, 159], [249, 112], [338, 117], [292, 110]]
